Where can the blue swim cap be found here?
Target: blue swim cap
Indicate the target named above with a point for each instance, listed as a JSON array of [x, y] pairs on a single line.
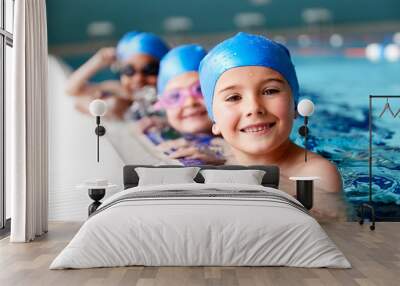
[[179, 60], [141, 43], [245, 50]]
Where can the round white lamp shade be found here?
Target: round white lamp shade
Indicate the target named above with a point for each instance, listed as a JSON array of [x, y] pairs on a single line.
[[98, 107], [305, 107]]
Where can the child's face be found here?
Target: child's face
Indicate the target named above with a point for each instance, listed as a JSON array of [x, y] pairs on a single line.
[[138, 71], [253, 110], [191, 115]]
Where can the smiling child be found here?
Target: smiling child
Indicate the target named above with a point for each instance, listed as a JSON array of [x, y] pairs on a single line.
[[180, 96], [138, 55], [251, 89]]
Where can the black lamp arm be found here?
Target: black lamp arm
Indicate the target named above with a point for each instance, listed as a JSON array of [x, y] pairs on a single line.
[[303, 131], [305, 137], [100, 131]]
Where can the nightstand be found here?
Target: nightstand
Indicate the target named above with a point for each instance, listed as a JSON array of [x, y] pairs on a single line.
[[96, 193], [304, 190]]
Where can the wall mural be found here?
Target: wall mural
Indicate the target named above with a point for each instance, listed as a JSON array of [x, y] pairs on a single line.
[[236, 101]]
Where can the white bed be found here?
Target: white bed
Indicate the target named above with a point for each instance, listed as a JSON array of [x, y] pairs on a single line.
[[165, 225]]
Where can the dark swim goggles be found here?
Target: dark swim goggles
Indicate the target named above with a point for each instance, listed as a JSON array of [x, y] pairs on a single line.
[[148, 70]]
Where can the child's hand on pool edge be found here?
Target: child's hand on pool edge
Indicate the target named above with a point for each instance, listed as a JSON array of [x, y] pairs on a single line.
[[194, 152], [174, 144], [152, 122]]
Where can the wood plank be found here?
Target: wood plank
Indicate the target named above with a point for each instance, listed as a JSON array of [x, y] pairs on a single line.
[[375, 257]]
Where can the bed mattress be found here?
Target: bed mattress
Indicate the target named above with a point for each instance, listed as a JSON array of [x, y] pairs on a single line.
[[201, 225]]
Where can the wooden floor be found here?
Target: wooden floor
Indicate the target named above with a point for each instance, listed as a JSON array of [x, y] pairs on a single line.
[[375, 257]]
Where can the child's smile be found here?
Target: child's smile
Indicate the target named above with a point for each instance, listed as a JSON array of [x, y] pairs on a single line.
[[258, 129], [195, 114]]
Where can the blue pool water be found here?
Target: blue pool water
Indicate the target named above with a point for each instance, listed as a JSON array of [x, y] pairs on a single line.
[[340, 88]]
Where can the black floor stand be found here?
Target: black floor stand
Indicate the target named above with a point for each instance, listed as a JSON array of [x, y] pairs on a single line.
[[362, 209], [368, 206]]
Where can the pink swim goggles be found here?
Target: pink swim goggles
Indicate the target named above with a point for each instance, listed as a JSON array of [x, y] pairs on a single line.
[[177, 97]]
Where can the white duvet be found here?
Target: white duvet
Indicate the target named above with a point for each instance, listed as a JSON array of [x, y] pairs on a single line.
[[226, 231]]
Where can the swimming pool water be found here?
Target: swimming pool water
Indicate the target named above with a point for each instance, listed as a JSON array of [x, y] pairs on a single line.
[[340, 88]]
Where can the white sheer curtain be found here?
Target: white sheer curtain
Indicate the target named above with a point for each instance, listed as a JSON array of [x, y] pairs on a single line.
[[26, 119]]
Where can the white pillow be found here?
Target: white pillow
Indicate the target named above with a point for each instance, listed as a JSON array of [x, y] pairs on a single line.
[[163, 176], [249, 177]]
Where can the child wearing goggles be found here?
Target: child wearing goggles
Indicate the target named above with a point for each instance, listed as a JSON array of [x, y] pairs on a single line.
[[136, 58], [180, 96]]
